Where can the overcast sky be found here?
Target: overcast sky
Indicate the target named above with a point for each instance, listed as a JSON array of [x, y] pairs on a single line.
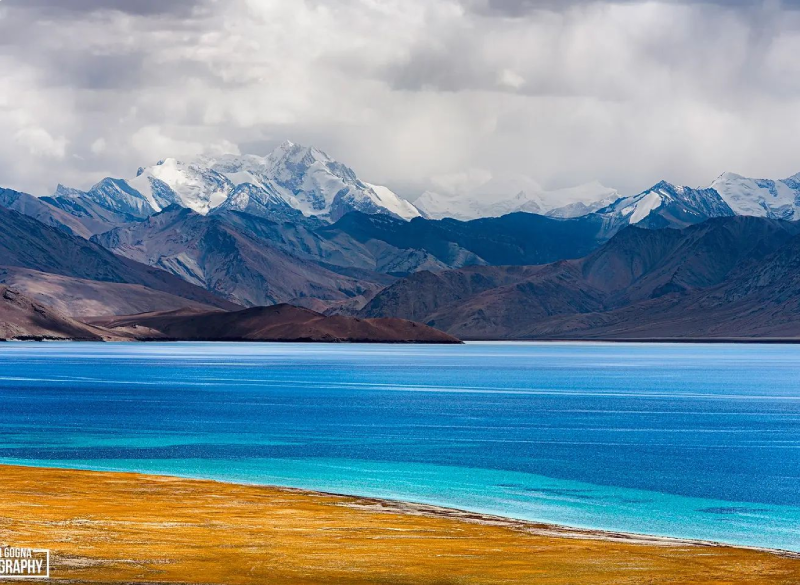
[[404, 91]]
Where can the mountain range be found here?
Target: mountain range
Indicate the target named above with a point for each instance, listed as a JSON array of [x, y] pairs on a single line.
[[298, 183], [643, 283], [504, 260]]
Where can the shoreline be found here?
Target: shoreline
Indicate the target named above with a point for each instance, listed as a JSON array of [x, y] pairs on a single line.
[[531, 526], [444, 511], [121, 527], [461, 341]]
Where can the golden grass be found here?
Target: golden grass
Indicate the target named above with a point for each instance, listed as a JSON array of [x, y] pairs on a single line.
[[128, 528]]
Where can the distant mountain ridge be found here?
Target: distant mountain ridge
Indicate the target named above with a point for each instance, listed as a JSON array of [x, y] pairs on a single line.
[[39, 210], [729, 194], [727, 277]]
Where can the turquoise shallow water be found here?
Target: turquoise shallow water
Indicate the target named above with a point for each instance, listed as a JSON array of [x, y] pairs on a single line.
[[692, 441]]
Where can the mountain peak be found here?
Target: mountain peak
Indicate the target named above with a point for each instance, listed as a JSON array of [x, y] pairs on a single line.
[[667, 186], [64, 191], [727, 176], [289, 152]]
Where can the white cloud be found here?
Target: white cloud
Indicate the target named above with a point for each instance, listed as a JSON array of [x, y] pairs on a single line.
[[151, 142], [98, 146], [40, 143], [405, 91], [463, 182], [510, 79]]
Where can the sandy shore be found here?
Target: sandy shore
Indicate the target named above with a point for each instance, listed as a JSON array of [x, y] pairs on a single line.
[[128, 528]]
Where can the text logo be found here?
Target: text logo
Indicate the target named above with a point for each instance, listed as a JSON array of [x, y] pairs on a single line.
[[24, 563]]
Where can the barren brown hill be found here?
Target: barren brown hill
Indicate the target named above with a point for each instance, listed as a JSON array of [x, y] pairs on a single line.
[[21, 318], [275, 323], [81, 298]]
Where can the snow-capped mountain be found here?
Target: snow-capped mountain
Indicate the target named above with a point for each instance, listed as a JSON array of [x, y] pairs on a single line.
[[312, 182], [761, 197], [290, 177], [510, 194], [191, 185], [665, 205]]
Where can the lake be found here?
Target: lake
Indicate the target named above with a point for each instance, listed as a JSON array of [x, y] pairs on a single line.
[[692, 441]]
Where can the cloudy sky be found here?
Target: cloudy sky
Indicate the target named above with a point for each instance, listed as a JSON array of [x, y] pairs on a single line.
[[410, 93]]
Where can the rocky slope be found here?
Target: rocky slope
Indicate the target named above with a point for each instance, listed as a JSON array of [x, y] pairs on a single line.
[[94, 212], [40, 210], [239, 257]]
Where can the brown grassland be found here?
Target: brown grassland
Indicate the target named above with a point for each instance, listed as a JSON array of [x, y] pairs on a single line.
[[128, 528]]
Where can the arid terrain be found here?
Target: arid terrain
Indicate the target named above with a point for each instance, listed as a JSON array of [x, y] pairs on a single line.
[[127, 528]]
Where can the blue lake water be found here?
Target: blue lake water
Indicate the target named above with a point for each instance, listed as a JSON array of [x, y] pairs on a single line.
[[693, 441]]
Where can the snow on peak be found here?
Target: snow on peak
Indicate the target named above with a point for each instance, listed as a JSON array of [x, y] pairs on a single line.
[[646, 205], [191, 185], [666, 205], [760, 197], [305, 178], [388, 199], [728, 176], [316, 184]]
